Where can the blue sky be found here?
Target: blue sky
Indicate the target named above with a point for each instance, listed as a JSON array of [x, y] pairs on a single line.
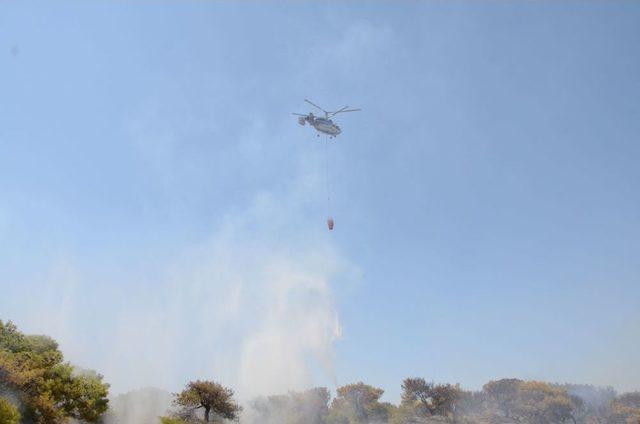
[[486, 199]]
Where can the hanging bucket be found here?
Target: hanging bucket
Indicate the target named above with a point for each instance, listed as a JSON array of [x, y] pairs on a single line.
[[330, 223]]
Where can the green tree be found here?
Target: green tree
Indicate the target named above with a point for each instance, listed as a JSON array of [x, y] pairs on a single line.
[[358, 403], [8, 413], [215, 401], [50, 389], [541, 403], [533, 402], [428, 399]]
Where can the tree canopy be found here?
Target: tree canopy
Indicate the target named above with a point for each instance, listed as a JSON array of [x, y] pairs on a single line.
[[358, 403], [49, 389], [428, 399], [215, 401]]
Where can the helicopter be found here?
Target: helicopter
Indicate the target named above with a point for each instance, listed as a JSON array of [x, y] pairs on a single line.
[[323, 125]]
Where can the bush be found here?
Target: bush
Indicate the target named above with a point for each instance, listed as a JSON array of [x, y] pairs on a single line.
[[8, 413]]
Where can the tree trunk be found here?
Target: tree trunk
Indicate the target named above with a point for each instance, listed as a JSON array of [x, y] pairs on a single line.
[[206, 414]]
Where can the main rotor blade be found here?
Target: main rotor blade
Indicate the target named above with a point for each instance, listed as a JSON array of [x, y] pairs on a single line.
[[346, 110], [313, 104], [341, 110], [299, 114]]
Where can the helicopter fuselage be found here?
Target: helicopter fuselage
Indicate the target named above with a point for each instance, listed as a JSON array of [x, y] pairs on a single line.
[[326, 126], [322, 125]]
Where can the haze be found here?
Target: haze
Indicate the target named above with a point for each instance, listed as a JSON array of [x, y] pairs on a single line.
[[162, 214]]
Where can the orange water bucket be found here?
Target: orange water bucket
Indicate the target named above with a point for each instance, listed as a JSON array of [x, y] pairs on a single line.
[[330, 223]]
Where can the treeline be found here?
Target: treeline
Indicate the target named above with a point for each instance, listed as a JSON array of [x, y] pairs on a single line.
[[38, 387], [499, 402]]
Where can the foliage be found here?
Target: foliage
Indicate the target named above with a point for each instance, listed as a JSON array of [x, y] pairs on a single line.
[[525, 402], [8, 413], [541, 403], [625, 409], [49, 389], [358, 403], [429, 399], [213, 398], [532, 402], [502, 395]]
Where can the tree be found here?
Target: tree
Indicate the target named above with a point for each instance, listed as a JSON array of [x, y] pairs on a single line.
[[625, 409], [358, 403], [8, 413], [429, 399], [208, 396], [541, 403], [503, 394], [49, 389], [533, 402]]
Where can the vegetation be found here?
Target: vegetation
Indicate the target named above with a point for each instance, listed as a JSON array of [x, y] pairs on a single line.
[[358, 403], [38, 387], [212, 399], [48, 389], [8, 413], [499, 402], [421, 399], [625, 409]]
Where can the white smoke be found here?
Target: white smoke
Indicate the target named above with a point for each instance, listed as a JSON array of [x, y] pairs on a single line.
[[298, 319], [243, 308], [142, 406]]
